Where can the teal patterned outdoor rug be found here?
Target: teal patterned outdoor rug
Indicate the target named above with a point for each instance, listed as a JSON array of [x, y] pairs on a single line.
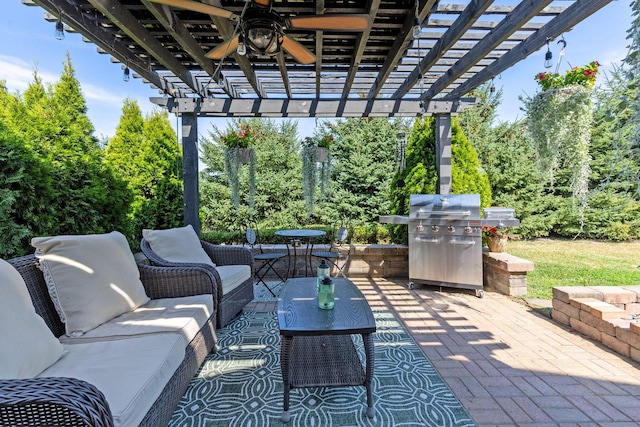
[[241, 384], [261, 293]]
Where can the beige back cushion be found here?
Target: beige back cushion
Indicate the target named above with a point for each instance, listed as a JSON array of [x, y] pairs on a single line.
[[177, 245], [91, 278], [27, 345]]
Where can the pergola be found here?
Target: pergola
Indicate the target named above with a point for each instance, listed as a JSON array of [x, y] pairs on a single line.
[[387, 70]]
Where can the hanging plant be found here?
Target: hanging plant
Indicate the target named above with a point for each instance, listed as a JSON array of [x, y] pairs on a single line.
[[560, 125], [309, 170], [316, 169], [237, 152]]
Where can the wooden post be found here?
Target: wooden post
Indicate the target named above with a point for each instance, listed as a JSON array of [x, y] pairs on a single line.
[[443, 152], [190, 170]]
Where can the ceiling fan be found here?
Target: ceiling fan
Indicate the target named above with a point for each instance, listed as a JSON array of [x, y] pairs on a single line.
[[261, 29]]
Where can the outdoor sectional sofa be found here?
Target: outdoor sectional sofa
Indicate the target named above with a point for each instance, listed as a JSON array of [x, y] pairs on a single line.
[[130, 370]]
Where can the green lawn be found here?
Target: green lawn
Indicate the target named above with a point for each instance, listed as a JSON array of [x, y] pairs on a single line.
[[577, 263]]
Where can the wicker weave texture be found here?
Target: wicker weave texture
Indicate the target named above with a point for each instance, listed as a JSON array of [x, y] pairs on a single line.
[[229, 305], [72, 402], [52, 402]]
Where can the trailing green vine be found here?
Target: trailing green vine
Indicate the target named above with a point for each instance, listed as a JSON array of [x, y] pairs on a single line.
[[560, 120], [315, 171]]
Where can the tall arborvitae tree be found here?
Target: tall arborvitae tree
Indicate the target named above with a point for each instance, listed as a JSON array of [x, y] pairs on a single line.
[[421, 176], [24, 180], [147, 155], [72, 192]]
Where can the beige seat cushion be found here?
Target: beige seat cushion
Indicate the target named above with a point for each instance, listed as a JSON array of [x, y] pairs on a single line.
[[184, 315], [27, 345], [131, 373], [91, 278], [232, 276], [177, 245]]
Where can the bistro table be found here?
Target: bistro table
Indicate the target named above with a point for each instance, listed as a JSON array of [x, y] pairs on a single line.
[[316, 347], [297, 238]]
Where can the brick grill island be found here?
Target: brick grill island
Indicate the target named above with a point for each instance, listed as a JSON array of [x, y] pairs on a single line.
[[608, 314]]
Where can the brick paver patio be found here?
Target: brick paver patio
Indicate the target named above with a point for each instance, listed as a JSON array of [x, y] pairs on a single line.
[[508, 364]]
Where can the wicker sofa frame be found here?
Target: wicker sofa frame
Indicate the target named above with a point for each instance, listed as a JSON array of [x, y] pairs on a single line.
[[72, 402], [230, 304]]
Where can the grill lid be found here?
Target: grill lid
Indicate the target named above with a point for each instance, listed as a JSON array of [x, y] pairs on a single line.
[[444, 206]]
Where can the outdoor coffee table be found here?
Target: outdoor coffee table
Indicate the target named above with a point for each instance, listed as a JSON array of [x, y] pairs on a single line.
[[316, 348]]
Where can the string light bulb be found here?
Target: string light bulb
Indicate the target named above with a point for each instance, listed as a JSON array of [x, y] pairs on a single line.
[[242, 48], [126, 74], [59, 29], [547, 57], [416, 28], [492, 88]]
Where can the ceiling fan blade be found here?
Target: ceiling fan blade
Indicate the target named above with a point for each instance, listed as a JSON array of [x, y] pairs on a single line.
[[299, 52], [263, 3], [353, 22], [199, 7], [223, 49]]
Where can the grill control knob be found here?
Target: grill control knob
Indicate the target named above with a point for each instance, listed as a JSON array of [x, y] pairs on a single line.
[[419, 227], [435, 228], [451, 228], [468, 229]]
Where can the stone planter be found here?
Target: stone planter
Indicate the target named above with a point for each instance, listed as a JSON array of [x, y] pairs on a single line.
[[497, 243]]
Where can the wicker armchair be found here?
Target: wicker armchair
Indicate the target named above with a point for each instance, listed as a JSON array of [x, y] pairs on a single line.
[[72, 402], [229, 305]]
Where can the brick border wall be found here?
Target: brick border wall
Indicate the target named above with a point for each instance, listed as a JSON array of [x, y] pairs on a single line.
[[505, 273], [365, 260], [608, 314]]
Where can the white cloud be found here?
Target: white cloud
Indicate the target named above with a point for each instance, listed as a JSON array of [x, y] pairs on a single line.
[[18, 74]]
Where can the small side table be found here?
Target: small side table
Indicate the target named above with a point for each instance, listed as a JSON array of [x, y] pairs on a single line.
[[304, 236]]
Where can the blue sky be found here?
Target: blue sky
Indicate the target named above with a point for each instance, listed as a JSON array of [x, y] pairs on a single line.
[[28, 43]]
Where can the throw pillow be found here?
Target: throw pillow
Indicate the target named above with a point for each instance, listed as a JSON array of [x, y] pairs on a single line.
[[28, 345], [91, 278], [177, 245]]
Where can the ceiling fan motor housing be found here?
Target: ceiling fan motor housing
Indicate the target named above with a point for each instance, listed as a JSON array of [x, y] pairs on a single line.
[[262, 31]]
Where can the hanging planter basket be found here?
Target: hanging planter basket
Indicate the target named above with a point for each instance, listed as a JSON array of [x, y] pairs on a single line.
[[321, 154], [244, 155]]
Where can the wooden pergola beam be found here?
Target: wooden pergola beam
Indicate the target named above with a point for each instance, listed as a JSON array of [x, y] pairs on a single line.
[[121, 17], [510, 24], [469, 15], [399, 47], [223, 107], [101, 37], [570, 17]]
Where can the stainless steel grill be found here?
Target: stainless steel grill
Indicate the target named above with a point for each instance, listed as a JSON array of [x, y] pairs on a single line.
[[445, 238]]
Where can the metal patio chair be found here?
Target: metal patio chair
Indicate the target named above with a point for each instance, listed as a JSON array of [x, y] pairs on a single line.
[[339, 251], [267, 259]]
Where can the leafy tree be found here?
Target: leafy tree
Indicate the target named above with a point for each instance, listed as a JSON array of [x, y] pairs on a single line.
[[278, 197], [362, 169], [614, 200], [147, 154]]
